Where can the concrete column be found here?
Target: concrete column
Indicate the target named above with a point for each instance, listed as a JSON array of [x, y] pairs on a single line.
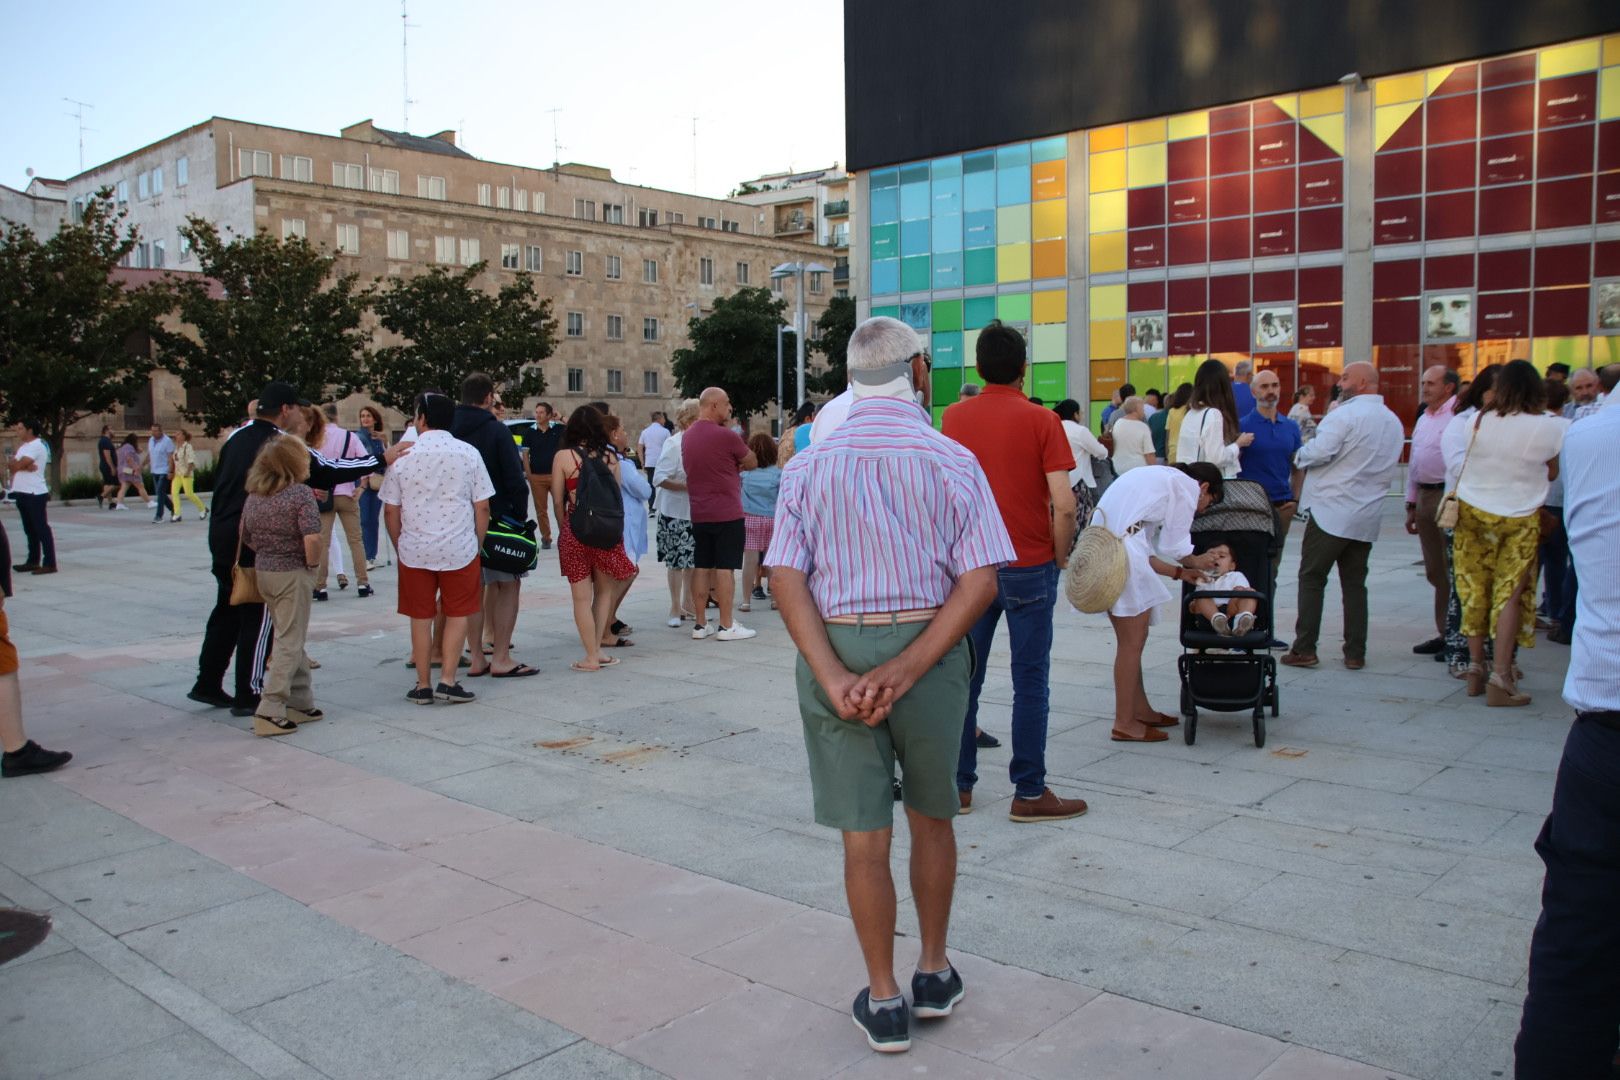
[[1358, 226], [860, 252]]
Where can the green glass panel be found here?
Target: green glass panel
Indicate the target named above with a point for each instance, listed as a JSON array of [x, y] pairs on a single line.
[[1097, 408], [947, 349], [939, 415], [977, 311], [1051, 382], [948, 315], [1148, 375], [1013, 308], [914, 274], [890, 310], [979, 266], [945, 168], [947, 384], [914, 174], [885, 178], [885, 241], [980, 162]]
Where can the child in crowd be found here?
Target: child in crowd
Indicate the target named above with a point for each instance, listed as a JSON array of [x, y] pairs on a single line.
[[759, 490], [1236, 615]]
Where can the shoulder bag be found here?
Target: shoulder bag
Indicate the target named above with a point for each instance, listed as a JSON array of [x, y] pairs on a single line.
[[244, 580], [1445, 515]]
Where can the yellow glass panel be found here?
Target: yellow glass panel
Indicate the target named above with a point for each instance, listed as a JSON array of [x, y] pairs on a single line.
[[1108, 211], [1108, 138], [1106, 377], [1289, 105], [1435, 76], [1048, 180], [1012, 262], [1609, 94], [1108, 339], [1574, 351], [1605, 350], [1568, 59], [1400, 88], [1108, 171], [1611, 50], [1050, 259], [1322, 102], [1051, 306], [1145, 165], [1108, 253], [1330, 129], [1388, 120], [1107, 302], [1049, 219], [1189, 125], [1143, 132]]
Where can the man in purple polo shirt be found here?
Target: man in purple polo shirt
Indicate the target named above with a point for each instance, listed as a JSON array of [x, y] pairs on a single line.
[[715, 457], [1425, 484]]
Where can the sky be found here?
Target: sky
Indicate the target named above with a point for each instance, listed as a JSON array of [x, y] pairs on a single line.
[[765, 81]]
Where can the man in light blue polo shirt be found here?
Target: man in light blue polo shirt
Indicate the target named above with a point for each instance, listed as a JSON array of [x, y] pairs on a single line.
[[1269, 459], [159, 452]]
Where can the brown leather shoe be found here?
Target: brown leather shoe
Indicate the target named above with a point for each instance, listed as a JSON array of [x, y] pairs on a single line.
[[965, 799], [1294, 659], [1046, 808], [1354, 663]]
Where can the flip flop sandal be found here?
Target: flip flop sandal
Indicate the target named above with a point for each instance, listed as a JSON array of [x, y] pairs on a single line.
[[619, 643], [620, 628], [609, 661], [478, 674], [577, 666], [1152, 734], [522, 671]]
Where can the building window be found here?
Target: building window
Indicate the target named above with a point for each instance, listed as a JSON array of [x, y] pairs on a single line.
[[615, 268], [705, 271], [615, 381], [399, 244], [385, 181], [503, 198], [574, 264], [585, 208], [253, 162], [615, 327], [649, 271], [182, 172], [520, 199], [816, 280], [157, 254], [676, 218], [613, 213], [444, 249], [143, 255], [348, 239], [539, 202], [143, 186], [707, 223], [469, 251], [297, 168], [121, 192], [730, 226], [348, 176], [291, 227], [576, 380], [649, 329], [509, 256], [185, 247], [532, 258], [776, 283], [646, 217], [430, 187], [575, 324], [157, 180], [742, 273], [483, 195], [649, 382]]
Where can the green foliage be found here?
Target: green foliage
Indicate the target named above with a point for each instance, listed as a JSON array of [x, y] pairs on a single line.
[[834, 327], [66, 325], [86, 486], [452, 328], [285, 315], [734, 347]]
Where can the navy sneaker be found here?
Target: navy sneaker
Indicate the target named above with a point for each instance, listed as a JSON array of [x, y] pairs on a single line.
[[455, 694], [32, 758], [935, 995], [888, 1031], [421, 695]]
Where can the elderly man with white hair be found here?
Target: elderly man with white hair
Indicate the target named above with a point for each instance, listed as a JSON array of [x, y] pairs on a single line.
[[885, 552], [1242, 391]]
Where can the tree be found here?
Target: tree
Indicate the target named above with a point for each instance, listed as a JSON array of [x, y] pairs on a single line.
[[452, 328], [68, 330], [734, 347], [285, 314], [833, 329]]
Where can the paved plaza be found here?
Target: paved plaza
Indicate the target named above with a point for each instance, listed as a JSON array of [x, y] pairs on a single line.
[[617, 874]]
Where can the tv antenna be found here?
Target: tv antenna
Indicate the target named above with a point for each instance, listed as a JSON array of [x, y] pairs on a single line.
[[406, 100], [78, 114], [556, 144], [694, 155]]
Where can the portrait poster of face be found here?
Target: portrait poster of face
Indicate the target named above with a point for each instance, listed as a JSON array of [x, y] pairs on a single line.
[[1448, 316], [1274, 327], [1606, 317], [1146, 336]]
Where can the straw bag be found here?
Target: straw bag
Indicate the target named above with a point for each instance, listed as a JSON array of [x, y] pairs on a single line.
[[244, 581], [1097, 569], [1445, 515]]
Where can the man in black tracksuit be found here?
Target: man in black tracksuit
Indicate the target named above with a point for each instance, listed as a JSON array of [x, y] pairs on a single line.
[[244, 630], [475, 424]]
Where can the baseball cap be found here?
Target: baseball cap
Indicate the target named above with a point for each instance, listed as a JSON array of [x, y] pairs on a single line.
[[276, 395]]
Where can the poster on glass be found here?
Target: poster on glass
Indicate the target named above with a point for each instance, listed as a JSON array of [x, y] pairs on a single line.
[[1606, 310], [1146, 336], [1274, 327], [1448, 316]]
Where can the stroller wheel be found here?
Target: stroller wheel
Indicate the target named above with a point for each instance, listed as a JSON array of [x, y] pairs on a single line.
[[1189, 726], [1259, 728]]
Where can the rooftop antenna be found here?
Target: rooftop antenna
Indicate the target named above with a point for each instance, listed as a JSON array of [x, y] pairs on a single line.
[[405, 25], [556, 144], [78, 114], [694, 155]]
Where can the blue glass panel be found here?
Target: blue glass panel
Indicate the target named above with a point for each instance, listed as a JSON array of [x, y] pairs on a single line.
[[885, 277], [946, 168], [914, 201], [915, 173], [916, 316], [979, 191], [947, 233], [948, 270], [1012, 185], [885, 178], [979, 229], [983, 161], [1008, 156], [947, 195], [913, 238], [885, 206], [1054, 149], [947, 349]]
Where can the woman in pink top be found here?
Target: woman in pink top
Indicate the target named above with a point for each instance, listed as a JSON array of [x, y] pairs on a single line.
[[341, 502]]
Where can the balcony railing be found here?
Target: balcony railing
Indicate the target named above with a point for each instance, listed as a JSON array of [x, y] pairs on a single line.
[[837, 209]]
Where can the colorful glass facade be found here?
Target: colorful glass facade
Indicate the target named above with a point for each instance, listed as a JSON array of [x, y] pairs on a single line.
[[1492, 231]]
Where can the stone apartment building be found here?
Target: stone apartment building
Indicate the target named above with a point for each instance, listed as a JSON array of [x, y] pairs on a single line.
[[810, 205], [625, 266]]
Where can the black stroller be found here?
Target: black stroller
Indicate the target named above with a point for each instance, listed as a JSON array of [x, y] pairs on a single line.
[[1231, 673]]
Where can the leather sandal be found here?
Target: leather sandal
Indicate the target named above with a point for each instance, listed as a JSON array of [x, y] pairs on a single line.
[[1476, 679], [1499, 692], [1162, 720], [1152, 734]]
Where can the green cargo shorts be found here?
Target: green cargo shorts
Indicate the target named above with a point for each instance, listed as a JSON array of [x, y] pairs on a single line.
[[852, 765]]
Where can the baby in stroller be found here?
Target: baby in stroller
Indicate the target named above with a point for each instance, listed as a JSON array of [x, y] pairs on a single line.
[[1236, 616]]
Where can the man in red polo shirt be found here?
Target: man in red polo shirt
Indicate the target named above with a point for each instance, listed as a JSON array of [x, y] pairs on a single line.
[[1026, 455]]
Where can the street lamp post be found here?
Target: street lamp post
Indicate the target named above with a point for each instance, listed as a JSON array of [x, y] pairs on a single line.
[[779, 417], [798, 270]]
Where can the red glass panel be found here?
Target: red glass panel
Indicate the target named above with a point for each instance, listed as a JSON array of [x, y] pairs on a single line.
[[1451, 119], [1321, 327], [1396, 279], [1463, 80], [1561, 312], [1505, 161], [1408, 136], [1144, 206], [1321, 284], [1229, 195], [1144, 296], [1397, 221], [1398, 174], [1229, 331], [1448, 215], [1608, 156], [1504, 315], [1448, 272], [1272, 285], [1504, 209], [1229, 153], [1562, 203], [1187, 334], [1321, 184], [1229, 292], [1188, 158], [1273, 145], [1450, 168], [1188, 294], [1231, 118], [1608, 197], [1568, 99], [1565, 151], [1509, 69], [1267, 112], [1565, 264], [1274, 234], [1606, 258], [1321, 230], [1312, 148], [1508, 269], [1144, 248], [1189, 244], [1189, 200], [1395, 322], [1273, 190], [1507, 112], [1229, 239]]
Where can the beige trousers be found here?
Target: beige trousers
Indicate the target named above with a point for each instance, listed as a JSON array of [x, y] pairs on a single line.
[[346, 507], [286, 678]]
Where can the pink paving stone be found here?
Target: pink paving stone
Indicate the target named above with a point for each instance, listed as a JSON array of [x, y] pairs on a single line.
[[620, 990], [924, 1061], [1113, 1038], [587, 879], [1299, 1063], [1004, 1006], [395, 813], [273, 770], [755, 1031], [181, 804], [321, 873], [813, 955], [414, 903], [694, 913], [263, 835], [504, 850], [509, 944]]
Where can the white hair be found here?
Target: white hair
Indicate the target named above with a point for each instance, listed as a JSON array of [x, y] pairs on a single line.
[[881, 342], [1133, 404], [1244, 367]]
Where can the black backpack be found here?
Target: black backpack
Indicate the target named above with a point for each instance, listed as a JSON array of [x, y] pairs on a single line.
[[598, 517]]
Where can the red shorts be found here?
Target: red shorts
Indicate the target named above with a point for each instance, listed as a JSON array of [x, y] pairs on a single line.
[[423, 592], [8, 651]]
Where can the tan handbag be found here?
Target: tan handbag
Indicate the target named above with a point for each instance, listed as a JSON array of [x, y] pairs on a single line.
[[244, 581], [1097, 568], [1445, 515]]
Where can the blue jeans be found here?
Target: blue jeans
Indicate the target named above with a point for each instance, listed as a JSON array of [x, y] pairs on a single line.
[[370, 513], [1026, 595]]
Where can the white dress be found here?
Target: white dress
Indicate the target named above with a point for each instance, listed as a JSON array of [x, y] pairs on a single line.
[[1084, 446], [1203, 438], [1162, 501]]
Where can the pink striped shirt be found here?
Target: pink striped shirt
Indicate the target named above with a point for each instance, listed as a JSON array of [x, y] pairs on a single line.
[[885, 514]]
